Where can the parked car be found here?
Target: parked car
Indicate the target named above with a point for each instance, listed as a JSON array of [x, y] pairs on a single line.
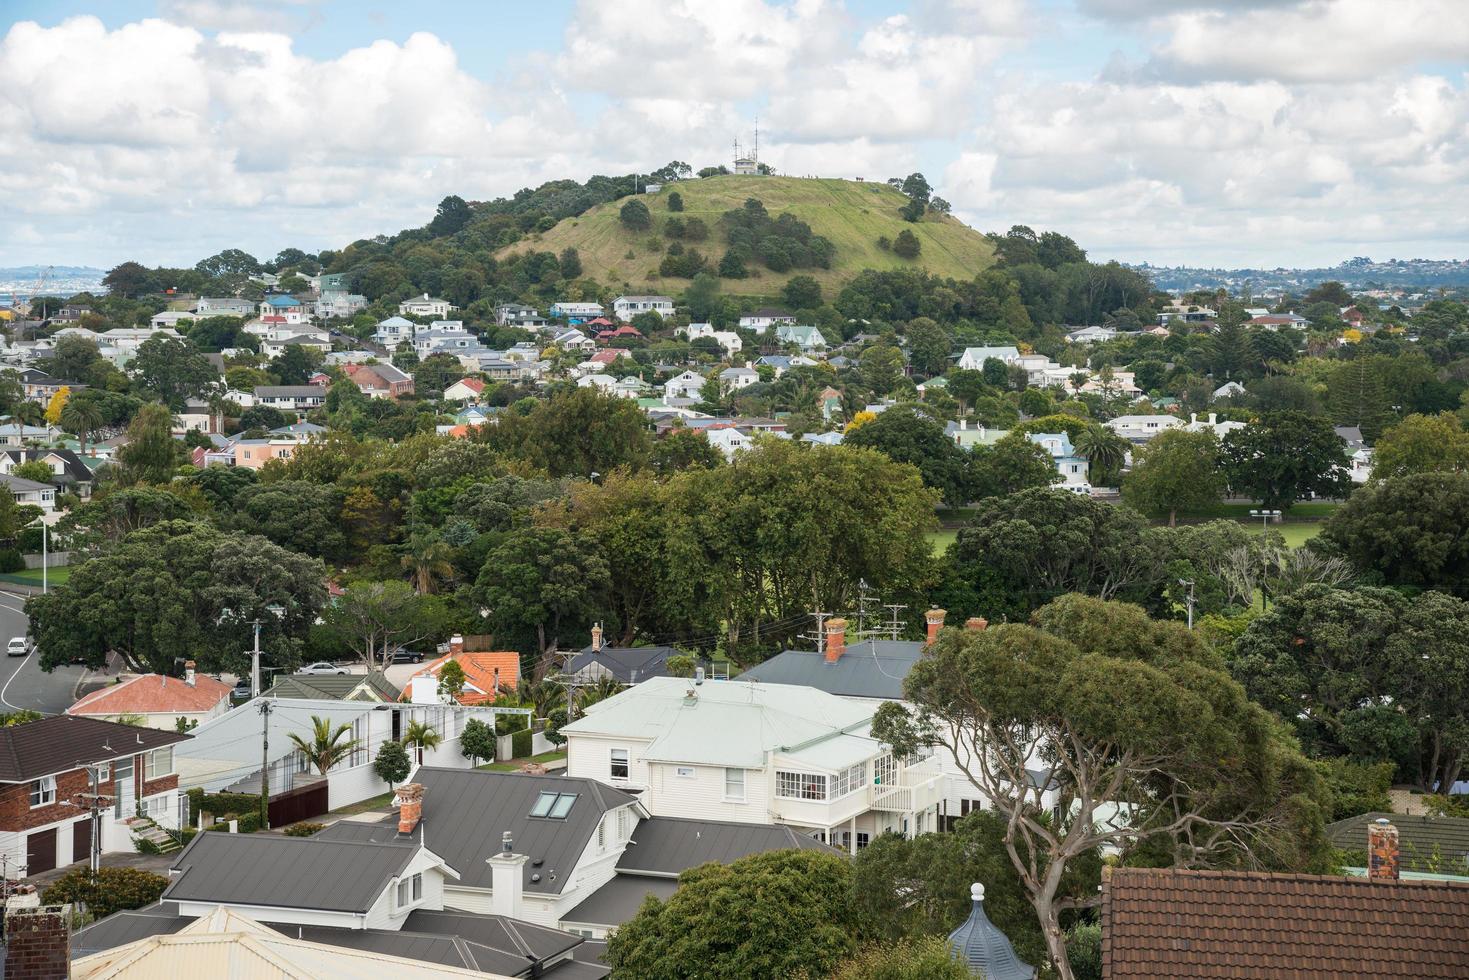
[[19, 646], [241, 690], [402, 656], [322, 667]]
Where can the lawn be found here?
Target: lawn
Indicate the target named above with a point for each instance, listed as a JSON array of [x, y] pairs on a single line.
[[941, 539], [382, 802], [514, 764], [32, 576], [1295, 532]]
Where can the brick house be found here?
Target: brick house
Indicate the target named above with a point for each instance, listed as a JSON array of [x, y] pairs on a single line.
[[46, 766]]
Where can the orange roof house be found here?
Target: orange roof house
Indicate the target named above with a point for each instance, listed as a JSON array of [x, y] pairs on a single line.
[[487, 675], [160, 701]]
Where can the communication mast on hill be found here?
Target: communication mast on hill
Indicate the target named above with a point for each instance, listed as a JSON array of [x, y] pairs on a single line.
[[748, 163]]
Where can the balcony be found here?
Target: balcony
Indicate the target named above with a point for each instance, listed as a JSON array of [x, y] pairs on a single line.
[[917, 787]]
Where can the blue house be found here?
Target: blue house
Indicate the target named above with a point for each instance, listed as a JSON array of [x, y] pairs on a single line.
[[1071, 467]]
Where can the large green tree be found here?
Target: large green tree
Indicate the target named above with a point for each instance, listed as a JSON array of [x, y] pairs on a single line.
[[151, 454], [795, 914], [1410, 530], [1133, 716], [1422, 444], [173, 370], [296, 514], [575, 433], [542, 583], [176, 591], [1283, 457], [1176, 470], [910, 435]]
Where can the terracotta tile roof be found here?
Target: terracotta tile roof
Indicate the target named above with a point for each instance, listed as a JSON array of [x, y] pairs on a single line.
[[1223, 925], [479, 674], [153, 693]]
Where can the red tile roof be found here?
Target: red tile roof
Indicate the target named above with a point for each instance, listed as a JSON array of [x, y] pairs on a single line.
[[479, 674], [1223, 925], [153, 694], [473, 384]]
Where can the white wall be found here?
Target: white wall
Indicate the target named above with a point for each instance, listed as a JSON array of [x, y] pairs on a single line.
[[590, 756], [701, 796]]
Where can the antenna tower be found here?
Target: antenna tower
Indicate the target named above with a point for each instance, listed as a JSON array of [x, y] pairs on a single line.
[[894, 628], [756, 155]]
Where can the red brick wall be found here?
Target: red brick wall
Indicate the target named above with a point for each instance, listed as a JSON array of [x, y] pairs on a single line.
[[39, 947], [16, 814]]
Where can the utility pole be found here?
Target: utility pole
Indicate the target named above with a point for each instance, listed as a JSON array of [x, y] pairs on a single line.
[[894, 608], [265, 708], [820, 637], [255, 661], [1189, 600], [96, 803]]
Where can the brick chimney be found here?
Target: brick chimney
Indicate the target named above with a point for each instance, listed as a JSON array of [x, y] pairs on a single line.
[[410, 806], [935, 620], [836, 639], [597, 638], [189, 672], [456, 645], [39, 943], [1382, 850], [976, 623]]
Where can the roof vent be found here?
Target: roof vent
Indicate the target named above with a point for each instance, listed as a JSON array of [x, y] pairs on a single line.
[[506, 844], [535, 878]]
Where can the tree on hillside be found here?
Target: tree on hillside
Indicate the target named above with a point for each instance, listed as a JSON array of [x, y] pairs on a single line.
[[881, 367], [1410, 530], [1155, 748], [635, 216], [129, 280], [906, 245], [796, 915], [576, 433], [675, 201], [1176, 470], [453, 214], [928, 347], [1421, 444], [801, 293], [570, 260], [1284, 457]]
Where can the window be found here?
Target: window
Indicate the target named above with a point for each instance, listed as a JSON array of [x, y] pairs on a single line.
[[849, 780], [684, 772], [734, 784], [552, 805], [863, 840], [43, 791], [410, 890], [800, 786], [619, 764], [885, 771], [622, 824], [159, 762]]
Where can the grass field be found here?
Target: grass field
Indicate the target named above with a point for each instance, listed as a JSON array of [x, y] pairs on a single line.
[[515, 764], [1295, 533], [852, 215], [32, 576]]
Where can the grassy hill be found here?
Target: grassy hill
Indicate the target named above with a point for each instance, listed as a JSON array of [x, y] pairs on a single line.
[[852, 215]]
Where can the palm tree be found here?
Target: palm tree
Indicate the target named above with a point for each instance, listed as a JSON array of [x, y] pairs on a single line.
[[421, 735], [544, 696], [82, 416], [602, 689], [326, 747], [427, 559], [1104, 450]]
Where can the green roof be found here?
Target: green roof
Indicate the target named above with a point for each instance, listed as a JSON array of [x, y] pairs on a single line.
[[1438, 844], [372, 686]]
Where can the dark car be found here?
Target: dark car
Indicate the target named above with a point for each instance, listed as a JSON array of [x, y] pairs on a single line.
[[401, 656]]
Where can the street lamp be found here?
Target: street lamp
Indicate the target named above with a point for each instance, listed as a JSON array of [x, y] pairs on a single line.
[[45, 549], [1188, 583], [1265, 517]]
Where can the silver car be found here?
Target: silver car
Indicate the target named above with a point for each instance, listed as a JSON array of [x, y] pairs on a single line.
[[322, 667]]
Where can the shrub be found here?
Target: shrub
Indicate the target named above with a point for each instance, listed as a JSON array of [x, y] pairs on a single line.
[[11, 560], [675, 201], [303, 829], [113, 890], [634, 215], [924, 958], [477, 741], [907, 245], [680, 665], [145, 846], [1084, 951], [520, 744]]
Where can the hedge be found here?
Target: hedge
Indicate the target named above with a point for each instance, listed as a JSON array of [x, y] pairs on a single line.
[[520, 743], [248, 823], [303, 829], [113, 890], [221, 804]]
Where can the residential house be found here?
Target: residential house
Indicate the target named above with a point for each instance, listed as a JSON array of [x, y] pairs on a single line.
[[521, 317], [46, 766], [627, 307], [379, 380], [446, 337], [574, 340], [968, 436], [334, 296], [291, 398], [575, 313], [488, 674], [1426, 843], [1173, 922], [626, 665], [1186, 314], [600, 360], [13, 434], [1230, 389], [157, 700], [728, 438], [70, 473], [973, 358], [1212, 423], [1274, 321], [765, 318], [393, 331], [1091, 335], [42, 495], [608, 335], [605, 382], [823, 438], [306, 339], [688, 384], [224, 306], [1141, 428], [372, 686], [751, 753], [631, 387], [299, 432], [736, 378], [1071, 467], [805, 338], [281, 308], [464, 390], [39, 387], [728, 340], [170, 319], [426, 305], [1359, 453], [784, 362], [253, 454]]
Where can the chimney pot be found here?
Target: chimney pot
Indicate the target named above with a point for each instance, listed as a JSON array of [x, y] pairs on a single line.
[[597, 638], [456, 645], [836, 639], [189, 672], [976, 623], [934, 619], [410, 806], [1382, 851]]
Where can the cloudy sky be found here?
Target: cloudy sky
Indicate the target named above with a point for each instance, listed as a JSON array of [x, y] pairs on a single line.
[[1202, 132]]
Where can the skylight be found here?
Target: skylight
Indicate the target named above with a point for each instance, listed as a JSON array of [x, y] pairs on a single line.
[[553, 805]]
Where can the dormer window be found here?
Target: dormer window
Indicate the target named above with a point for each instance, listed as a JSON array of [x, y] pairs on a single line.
[[410, 890]]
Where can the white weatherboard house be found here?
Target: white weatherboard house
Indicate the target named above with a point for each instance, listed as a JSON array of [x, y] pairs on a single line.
[[426, 305], [627, 307], [973, 358], [1141, 428], [755, 753]]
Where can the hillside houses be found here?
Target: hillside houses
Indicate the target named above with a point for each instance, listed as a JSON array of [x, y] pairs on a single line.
[[426, 305], [627, 307]]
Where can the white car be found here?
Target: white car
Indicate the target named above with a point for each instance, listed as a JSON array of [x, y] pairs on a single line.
[[19, 646], [322, 667]]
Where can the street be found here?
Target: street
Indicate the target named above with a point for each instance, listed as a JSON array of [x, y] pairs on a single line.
[[22, 682]]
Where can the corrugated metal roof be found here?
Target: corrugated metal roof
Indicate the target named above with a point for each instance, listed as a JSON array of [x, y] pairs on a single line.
[[65, 742], [670, 845], [868, 669], [619, 900]]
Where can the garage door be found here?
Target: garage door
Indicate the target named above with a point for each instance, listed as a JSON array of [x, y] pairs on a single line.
[[81, 840], [41, 851]]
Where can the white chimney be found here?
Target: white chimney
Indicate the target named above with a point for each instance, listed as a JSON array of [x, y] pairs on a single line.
[[507, 880], [189, 672]]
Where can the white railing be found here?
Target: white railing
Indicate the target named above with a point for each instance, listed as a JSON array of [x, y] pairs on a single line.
[[916, 787]]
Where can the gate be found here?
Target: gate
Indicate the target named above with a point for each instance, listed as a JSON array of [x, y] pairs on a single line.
[[299, 804]]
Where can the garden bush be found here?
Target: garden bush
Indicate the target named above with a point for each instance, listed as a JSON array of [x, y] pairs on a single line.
[[113, 890], [303, 829], [520, 743]]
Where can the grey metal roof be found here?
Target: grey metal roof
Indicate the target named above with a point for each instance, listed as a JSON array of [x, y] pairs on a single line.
[[466, 810], [65, 742], [1424, 843], [669, 845], [286, 872], [628, 664], [121, 928], [619, 900], [289, 391], [869, 669], [979, 944]]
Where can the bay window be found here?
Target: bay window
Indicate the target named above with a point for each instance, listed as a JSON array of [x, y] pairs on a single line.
[[800, 785]]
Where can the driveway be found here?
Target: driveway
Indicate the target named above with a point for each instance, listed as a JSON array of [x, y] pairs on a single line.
[[156, 863]]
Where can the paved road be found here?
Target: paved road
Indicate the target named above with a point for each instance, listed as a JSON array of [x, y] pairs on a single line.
[[23, 684]]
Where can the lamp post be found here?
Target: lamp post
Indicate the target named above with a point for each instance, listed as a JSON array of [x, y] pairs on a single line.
[[1188, 600], [1265, 517], [45, 549]]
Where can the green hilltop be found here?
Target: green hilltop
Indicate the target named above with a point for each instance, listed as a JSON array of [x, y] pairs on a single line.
[[851, 214]]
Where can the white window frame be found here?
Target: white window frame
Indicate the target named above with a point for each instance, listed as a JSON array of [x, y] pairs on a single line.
[[810, 786], [848, 781], [43, 792], [620, 757], [885, 770], [408, 891], [151, 768], [734, 797], [685, 772]]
